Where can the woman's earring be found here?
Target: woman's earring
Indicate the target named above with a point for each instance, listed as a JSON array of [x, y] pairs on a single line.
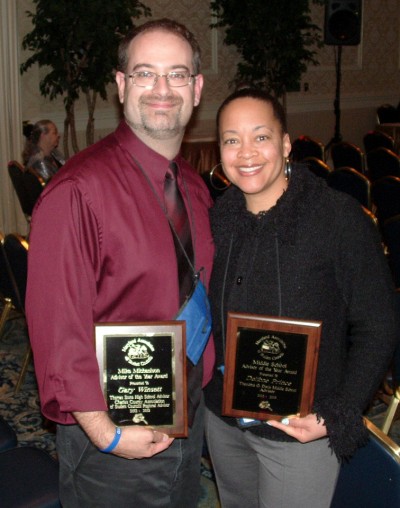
[[288, 169], [218, 180]]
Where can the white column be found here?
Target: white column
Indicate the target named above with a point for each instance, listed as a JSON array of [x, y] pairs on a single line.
[[11, 138]]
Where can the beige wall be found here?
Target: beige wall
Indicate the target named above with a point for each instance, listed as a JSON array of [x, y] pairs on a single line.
[[370, 75]]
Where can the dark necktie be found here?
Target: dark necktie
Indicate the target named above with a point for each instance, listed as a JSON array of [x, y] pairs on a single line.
[[180, 226]]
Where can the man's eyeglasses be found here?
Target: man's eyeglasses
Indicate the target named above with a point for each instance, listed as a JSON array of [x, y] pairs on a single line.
[[148, 79]]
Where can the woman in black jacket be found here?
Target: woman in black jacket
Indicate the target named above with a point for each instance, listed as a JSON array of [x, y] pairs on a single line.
[[287, 245]]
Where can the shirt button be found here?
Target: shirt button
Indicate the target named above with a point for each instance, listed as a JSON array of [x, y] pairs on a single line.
[[239, 280]]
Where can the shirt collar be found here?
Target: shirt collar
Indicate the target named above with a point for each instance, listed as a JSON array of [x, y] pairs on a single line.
[[152, 162]]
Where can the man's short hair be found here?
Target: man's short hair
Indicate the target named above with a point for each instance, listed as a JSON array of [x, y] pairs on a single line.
[[167, 25]]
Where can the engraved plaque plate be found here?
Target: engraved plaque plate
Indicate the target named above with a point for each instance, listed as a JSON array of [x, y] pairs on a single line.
[[143, 374], [270, 366]]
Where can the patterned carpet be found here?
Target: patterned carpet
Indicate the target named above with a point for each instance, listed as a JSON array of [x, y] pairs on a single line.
[[22, 410]]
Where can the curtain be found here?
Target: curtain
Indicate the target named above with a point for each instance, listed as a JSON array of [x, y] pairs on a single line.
[[11, 216]]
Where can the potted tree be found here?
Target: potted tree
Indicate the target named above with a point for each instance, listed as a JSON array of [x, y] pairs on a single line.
[[276, 40], [77, 42]]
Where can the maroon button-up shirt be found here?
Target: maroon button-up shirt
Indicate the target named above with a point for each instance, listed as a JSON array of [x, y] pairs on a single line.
[[101, 250]]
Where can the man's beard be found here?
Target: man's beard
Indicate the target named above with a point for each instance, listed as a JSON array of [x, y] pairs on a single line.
[[161, 125]]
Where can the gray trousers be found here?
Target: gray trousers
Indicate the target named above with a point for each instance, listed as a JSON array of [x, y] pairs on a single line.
[[253, 472], [91, 479]]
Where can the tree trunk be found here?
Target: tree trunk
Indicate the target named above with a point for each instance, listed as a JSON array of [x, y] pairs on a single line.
[[91, 106], [65, 137], [71, 116]]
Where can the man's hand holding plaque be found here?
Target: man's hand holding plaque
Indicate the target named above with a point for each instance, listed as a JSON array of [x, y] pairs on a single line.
[[143, 374]]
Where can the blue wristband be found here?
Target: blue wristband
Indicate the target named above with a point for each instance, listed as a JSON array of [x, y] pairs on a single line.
[[114, 442]]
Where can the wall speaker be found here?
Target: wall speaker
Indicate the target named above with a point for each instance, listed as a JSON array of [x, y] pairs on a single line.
[[343, 22]]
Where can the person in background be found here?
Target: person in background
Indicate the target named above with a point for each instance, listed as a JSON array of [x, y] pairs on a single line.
[[287, 245], [102, 250], [40, 151]]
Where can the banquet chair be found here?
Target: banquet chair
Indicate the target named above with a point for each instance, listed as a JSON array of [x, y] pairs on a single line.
[[13, 270], [28, 186], [391, 411], [317, 166], [8, 437], [387, 113], [28, 478], [371, 478], [5, 306], [345, 154], [391, 239], [385, 194], [14, 264], [371, 216], [16, 171], [351, 182], [305, 146], [382, 162], [377, 139]]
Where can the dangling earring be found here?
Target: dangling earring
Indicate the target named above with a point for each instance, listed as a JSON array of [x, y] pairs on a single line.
[[218, 180], [288, 169]]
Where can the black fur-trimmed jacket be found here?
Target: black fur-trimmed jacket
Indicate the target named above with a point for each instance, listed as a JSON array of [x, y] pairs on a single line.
[[316, 256]]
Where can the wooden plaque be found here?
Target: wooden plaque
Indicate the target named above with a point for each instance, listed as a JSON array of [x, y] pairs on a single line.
[[143, 374], [270, 366]]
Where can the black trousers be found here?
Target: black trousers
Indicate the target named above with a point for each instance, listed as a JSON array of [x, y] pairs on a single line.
[[89, 478]]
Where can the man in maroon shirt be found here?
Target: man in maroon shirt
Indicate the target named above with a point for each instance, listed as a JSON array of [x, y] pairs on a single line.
[[101, 250]]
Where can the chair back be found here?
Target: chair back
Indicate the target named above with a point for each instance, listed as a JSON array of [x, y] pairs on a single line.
[[387, 113], [5, 310], [345, 154], [16, 171], [34, 183], [377, 139], [14, 268], [305, 146], [391, 238], [351, 182], [28, 186], [382, 162], [372, 476], [385, 194], [317, 166]]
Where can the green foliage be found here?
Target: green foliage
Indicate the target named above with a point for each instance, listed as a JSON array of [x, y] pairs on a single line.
[[78, 41], [275, 38]]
